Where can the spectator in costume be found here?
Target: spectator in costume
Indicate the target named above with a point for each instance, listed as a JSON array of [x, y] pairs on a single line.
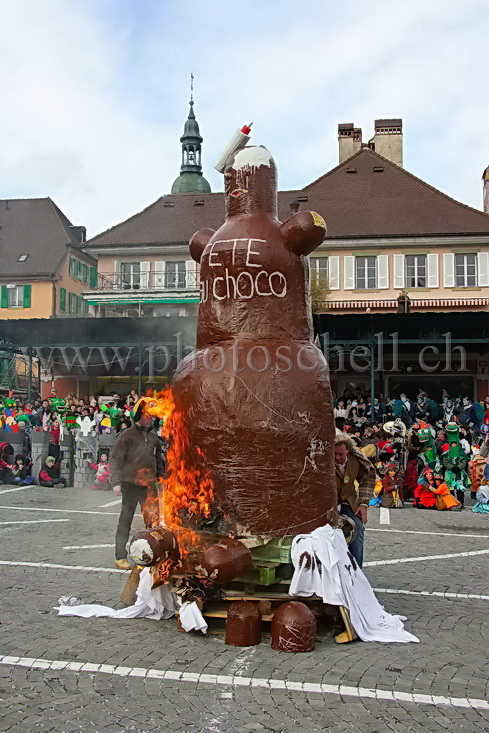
[[352, 468]]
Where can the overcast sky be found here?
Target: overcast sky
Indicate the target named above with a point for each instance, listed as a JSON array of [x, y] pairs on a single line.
[[95, 92]]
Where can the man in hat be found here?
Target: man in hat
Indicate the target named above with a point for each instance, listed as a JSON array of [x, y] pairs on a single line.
[[352, 466], [136, 465]]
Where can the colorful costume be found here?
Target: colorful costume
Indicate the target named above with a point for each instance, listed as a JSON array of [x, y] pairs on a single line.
[[455, 462], [428, 457], [476, 472], [414, 448], [101, 482], [444, 499], [49, 475], [424, 496], [390, 488]]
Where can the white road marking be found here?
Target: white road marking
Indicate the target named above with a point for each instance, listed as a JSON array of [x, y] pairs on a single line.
[[426, 557], [36, 521], [416, 531], [470, 596], [61, 567], [112, 503], [63, 511], [80, 547], [17, 488], [384, 516], [320, 688]]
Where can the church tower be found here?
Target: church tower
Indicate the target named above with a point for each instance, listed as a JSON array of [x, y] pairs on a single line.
[[191, 179]]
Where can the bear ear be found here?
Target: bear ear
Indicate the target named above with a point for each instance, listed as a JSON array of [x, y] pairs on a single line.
[[199, 242], [303, 232]]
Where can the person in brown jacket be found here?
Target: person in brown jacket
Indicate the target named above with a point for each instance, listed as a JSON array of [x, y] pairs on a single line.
[[352, 466], [136, 465]]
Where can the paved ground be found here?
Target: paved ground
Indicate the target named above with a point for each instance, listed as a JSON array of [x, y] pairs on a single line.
[[69, 674]]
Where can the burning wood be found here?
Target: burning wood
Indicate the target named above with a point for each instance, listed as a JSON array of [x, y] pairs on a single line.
[[187, 491]]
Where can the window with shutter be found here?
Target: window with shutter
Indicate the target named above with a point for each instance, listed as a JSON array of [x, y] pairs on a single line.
[[159, 274], [319, 270], [62, 299], [432, 264], [72, 266], [448, 270], [144, 281], [349, 272], [175, 274], [191, 273], [415, 271], [465, 271], [399, 271], [15, 296], [131, 275], [334, 272], [26, 297], [483, 269], [365, 273], [383, 272]]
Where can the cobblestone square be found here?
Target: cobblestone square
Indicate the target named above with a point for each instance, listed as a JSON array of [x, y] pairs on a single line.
[[71, 674]]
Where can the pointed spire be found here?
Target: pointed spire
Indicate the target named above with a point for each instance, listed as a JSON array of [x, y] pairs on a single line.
[[191, 179]]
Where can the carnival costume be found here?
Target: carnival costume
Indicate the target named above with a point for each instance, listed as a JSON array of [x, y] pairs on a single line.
[[455, 462]]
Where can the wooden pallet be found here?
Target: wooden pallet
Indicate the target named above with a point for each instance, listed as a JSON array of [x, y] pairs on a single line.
[[215, 612]]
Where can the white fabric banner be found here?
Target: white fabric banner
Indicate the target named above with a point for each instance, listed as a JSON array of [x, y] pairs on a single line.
[[324, 567]]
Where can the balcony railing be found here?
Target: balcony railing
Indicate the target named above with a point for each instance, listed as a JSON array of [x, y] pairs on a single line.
[[147, 281]]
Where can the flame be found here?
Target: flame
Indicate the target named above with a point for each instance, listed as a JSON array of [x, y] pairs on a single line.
[[188, 489]]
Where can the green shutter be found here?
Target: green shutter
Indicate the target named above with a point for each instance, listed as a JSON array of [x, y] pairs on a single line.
[[27, 296], [4, 297], [62, 299], [93, 277], [79, 270], [72, 267], [86, 274]]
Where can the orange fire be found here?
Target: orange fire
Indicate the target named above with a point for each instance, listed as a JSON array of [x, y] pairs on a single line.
[[188, 489]]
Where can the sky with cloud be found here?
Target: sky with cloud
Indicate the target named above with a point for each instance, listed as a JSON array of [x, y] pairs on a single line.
[[95, 92]]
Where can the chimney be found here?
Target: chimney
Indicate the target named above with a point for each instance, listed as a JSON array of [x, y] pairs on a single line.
[[349, 140], [485, 178], [387, 140], [79, 232]]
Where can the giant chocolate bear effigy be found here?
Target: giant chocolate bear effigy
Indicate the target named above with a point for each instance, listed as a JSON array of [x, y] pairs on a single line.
[[255, 394]]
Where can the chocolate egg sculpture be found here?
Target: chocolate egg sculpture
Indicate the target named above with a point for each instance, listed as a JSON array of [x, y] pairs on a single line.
[[153, 546], [255, 393]]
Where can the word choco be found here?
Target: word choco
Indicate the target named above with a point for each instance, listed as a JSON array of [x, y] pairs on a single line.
[[248, 282]]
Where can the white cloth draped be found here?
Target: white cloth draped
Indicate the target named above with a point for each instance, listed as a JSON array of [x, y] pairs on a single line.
[[191, 618], [156, 604], [324, 567]]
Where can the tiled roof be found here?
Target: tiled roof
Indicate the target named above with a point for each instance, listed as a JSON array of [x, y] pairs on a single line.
[[173, 219], [366, 196], [369, 196], [37, 228]]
